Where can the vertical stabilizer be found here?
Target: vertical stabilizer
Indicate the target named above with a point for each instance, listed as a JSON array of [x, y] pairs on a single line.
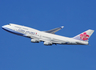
[[85, 35]]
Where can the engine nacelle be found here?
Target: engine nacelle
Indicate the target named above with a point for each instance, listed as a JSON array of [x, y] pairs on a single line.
[[47, 43], [35, 40]]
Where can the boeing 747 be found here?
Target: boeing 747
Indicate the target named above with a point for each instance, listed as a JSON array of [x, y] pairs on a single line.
[[48, 37]]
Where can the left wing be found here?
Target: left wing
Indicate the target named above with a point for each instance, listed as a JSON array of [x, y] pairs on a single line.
[[46, 40], [54, 30]]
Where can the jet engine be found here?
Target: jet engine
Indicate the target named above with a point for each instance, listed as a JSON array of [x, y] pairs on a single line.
[[35, 40], [47, 43]]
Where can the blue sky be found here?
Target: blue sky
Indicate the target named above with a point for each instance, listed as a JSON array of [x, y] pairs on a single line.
[[18, 53]]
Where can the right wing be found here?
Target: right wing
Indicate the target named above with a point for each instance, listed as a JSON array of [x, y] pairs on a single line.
[[54, 30]]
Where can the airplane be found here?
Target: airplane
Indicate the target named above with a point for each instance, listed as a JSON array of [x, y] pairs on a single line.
[[48, 37]]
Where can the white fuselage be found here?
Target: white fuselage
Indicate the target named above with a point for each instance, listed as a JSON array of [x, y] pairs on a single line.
[[41, 35]]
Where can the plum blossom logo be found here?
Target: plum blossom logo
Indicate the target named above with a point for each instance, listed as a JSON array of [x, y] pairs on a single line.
[[84, 36]]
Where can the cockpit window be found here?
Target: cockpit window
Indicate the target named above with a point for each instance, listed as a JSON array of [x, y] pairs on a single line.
[[9, 24]]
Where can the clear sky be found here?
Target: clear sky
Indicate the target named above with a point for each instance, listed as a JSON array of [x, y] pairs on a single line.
[[18, 53]]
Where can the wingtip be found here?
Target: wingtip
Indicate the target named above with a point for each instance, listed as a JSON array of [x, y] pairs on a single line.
[[62, 26]]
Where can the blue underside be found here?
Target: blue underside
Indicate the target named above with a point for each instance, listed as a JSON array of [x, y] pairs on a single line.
[[12, 31]]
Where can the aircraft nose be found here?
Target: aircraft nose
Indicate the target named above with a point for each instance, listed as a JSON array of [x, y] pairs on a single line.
[[3, 26]]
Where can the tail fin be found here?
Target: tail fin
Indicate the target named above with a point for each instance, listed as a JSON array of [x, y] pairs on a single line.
[[85, 35]]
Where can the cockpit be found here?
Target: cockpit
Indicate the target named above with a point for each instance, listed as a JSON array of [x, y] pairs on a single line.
[[10, 24]]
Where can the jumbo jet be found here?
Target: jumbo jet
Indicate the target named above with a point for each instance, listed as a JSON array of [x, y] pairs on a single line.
[[48, 37]]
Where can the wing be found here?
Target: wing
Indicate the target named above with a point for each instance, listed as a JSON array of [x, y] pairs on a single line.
[[46, 40], [54, 30]]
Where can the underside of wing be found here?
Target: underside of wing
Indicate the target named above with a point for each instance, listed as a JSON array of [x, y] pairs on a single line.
[[54, 30], [46, 40]]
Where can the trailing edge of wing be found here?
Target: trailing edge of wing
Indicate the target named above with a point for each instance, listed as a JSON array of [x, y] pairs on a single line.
[[54, 30]]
